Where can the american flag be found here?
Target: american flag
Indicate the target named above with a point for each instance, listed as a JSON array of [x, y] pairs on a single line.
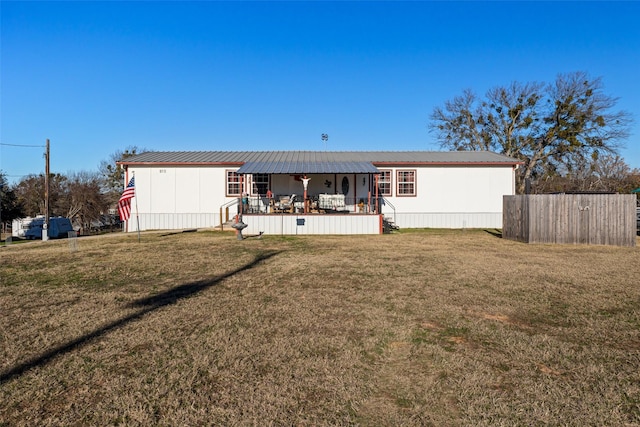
[[124, 204]]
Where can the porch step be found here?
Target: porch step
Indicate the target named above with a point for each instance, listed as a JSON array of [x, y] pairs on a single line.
[[388, 225]]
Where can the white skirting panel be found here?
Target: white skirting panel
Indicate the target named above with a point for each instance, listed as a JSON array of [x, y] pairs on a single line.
[[318, 224], [311, 224], [173, 221], [449, 220]]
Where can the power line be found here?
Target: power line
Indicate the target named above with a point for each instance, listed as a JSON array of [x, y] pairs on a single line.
[[22, 145], [17, 145]]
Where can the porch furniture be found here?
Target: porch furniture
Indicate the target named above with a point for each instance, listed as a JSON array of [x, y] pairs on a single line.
[[331, 202], [285, 204]]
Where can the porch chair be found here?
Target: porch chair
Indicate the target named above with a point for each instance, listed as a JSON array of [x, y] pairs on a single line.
[[286, 205]]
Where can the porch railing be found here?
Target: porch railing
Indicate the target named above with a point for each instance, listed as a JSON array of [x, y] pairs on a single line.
[[388, 203], [226, 207], [321, 203]]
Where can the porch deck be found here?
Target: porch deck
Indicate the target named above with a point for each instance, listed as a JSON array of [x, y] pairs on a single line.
[[319, 214], [302, 224]]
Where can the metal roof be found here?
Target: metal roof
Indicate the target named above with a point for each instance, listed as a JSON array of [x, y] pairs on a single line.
[[284, 167], [317, 158]]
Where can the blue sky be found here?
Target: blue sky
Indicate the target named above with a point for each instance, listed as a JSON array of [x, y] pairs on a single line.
[[97, 77]]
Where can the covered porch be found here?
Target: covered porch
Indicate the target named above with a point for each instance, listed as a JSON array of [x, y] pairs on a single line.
[[321, 203], [310, 198], [309, 188]]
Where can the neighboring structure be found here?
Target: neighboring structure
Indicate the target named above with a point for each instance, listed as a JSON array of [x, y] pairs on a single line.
[[20, 226], [596, 219], [415, 189]]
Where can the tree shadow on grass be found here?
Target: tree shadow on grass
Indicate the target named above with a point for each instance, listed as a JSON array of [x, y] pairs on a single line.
[[495, 233], [148, 305]]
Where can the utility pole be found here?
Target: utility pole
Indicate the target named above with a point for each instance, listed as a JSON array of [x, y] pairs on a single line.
[[45, 228]]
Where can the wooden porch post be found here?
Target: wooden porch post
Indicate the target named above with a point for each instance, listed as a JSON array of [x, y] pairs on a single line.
[[241, 210], [369, 194], [377, 177], [355, 194]]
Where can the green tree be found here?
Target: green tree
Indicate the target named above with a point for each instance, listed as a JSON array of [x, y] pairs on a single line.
[[112, 175], [10, 208], [30, 192], [548, 127]]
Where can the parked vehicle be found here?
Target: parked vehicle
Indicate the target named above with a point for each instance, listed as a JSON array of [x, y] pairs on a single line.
[[58, 228]]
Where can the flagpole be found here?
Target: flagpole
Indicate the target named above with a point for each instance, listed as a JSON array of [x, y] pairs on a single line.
[[137, 216], [125, 222], [124, 204]]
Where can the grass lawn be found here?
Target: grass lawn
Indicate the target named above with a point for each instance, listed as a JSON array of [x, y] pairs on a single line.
[[442, 328]]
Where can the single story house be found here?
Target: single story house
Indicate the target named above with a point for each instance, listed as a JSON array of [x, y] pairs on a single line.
[[319, 192]]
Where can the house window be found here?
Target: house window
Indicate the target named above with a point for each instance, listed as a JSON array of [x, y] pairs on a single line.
[[234, 187], [406, 182], [260, 184], [384, 182]]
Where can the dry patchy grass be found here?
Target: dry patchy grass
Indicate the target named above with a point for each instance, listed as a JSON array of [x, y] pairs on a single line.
[[422, 328]]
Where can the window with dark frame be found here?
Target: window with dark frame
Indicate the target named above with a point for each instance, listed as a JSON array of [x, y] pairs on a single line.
[[260, 184], [234, 187], [406, 180], [384, 182]]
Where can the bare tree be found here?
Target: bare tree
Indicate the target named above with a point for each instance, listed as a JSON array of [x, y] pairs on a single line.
[[78, 196], [86, 202], [459, 123], [605, 173], [548, 127]]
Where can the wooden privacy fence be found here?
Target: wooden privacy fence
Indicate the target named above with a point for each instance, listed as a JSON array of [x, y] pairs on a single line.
[[593, 219]]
